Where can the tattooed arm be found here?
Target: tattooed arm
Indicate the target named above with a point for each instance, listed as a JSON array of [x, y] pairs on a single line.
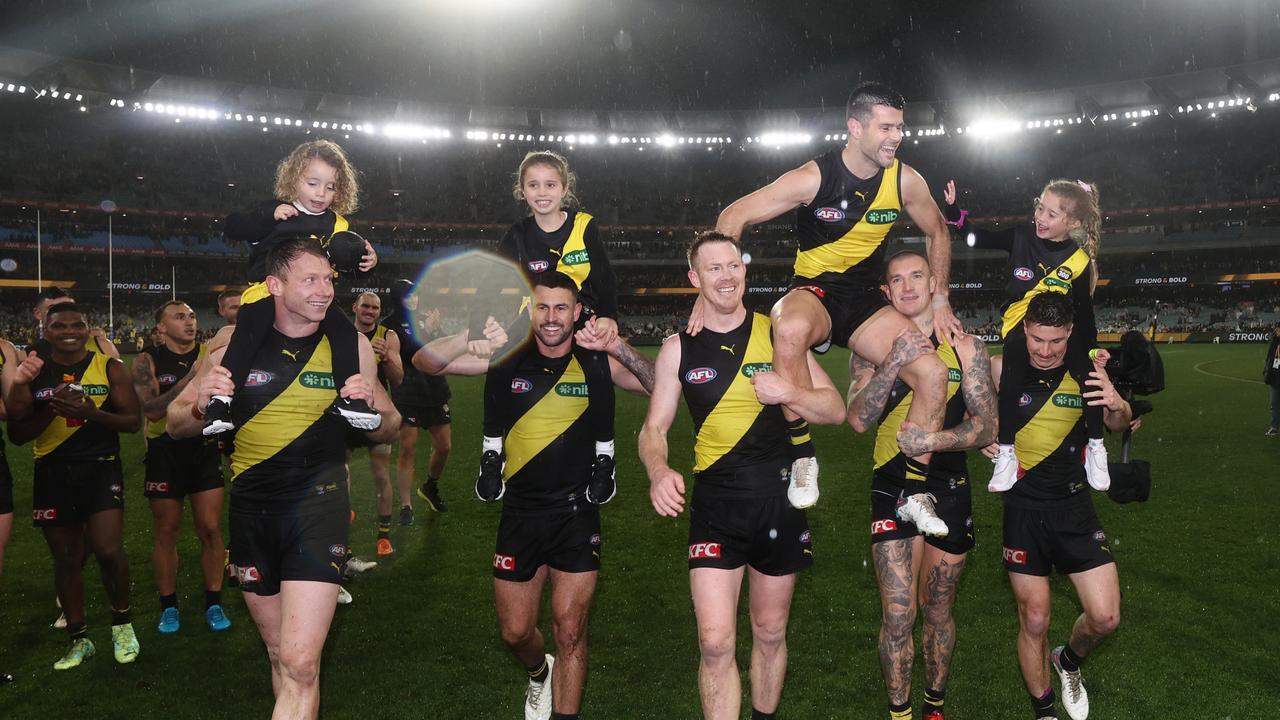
[[870, 387], [631, 370], [978, 429], [154, 403]]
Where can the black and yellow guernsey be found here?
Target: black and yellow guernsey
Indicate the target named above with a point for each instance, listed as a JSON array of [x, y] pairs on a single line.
[[575, 250], [259, 229], [170, 367], [551, 411], [841, 233], [740, 444], [70, 438], [1037, 265], [284, 438], [1050, 442], [379, 332], [889, 462]]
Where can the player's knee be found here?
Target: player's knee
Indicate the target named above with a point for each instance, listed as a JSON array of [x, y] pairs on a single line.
[[517, 636], [1104, 622], [898, 621], [716, 645], [571, 636], [791, 333], [299, 668], [1034, 617], [210, 536], [769, 631]]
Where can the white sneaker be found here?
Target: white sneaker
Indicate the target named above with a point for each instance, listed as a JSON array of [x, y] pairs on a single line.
[[537, 699], [918, 509], [1074, 697], [1006, 473], [359, 565], [61, 622], [1095, 466], [802, 491], [344, 597]]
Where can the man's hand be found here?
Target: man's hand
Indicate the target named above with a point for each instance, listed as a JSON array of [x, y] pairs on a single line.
[[71, 403], [666, 492], [944, 320], [380, 348], [495, 334], [771, 388], [991, 451], [217, 382], [1105, 395], [906, 348], [696, 316], [913, 439], [357, 388], [284, 211], [28, 369]]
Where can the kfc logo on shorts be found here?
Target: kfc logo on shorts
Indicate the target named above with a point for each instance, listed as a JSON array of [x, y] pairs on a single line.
[[521, 386], [504, 562], [829, 214], [697, 376], [883, 526], [338, 550], [248, 575], [1024, 401], [257, 378], [595, 539], [813, 289], [1023, 273], [160, 487], [539, 266], [167, 379], [41, 514], [704, 551], [1017, 557]]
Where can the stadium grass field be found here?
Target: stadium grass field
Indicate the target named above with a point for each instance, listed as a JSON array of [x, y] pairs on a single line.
[[1198, 566]]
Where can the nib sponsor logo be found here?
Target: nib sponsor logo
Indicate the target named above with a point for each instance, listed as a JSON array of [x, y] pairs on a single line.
[[504, 562], [1015, 556], [704, 551]]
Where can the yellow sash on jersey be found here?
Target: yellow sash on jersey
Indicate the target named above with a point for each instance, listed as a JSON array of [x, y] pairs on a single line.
[[1057, 280], [548, 419], [863, 239], [258, 291], [738, 408], [574, 260], [97, 386], [1049, 427], [298, 406], [156, 428]]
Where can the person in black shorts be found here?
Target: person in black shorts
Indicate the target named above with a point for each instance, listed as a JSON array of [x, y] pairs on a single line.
[[289, 516], [548, 453], [1049, 519], [74, 404], [366, 313], [423, 402], [9, 360], [739, 513], [846, 201], [912, 569], [179, 469]]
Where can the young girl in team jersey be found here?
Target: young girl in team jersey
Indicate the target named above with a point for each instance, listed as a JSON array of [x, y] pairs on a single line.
[[316, 186], [1056, 253]]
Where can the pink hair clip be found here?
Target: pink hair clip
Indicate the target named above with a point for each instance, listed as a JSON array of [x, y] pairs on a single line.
[[1084, 186]]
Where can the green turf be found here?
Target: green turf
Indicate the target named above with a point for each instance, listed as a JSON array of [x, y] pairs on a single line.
[[1199, 572]]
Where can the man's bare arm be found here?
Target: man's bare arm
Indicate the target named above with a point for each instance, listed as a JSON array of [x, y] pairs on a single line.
[[632, 371], [154, 403], [181, 420], [393, 367], [978, 429], [793, 189], [869, 393]]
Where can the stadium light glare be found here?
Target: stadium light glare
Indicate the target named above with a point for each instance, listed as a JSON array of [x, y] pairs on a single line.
[[22, 89], [667, 140], [989, 128]]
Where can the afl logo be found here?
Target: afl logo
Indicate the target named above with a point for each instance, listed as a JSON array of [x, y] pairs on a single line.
[[539, 266], [829, 214], [1023, 273], [167, 379], [44, 393], [520, 385], [697, 376], [258, 377], [1024, 401]]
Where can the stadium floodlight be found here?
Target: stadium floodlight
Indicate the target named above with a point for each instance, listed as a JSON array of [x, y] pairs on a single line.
[[989, 128], [779, 139], [149, 107], [667, 140], [22, 89], [79, 97]]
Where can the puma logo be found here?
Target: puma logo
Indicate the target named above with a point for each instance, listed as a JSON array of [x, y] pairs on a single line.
[[1044, 269], [728, 348], [554, 251], [184, 363], [861, 195], [292, 355]]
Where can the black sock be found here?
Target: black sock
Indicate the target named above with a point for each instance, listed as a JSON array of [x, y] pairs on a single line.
[[343, 344], [539, 674], [1069, 660], [1012, 374], [933, 699], [253, 323], [433, 483], [384, 526], [77, 630], [801, 442], [900, 712], [915, 475], [757, 715], [121, 617], [169, 601], [1044, 705], [211, 598]]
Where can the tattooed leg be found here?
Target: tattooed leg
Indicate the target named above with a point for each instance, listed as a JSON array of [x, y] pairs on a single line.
[[896, 571], [942, 572]]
